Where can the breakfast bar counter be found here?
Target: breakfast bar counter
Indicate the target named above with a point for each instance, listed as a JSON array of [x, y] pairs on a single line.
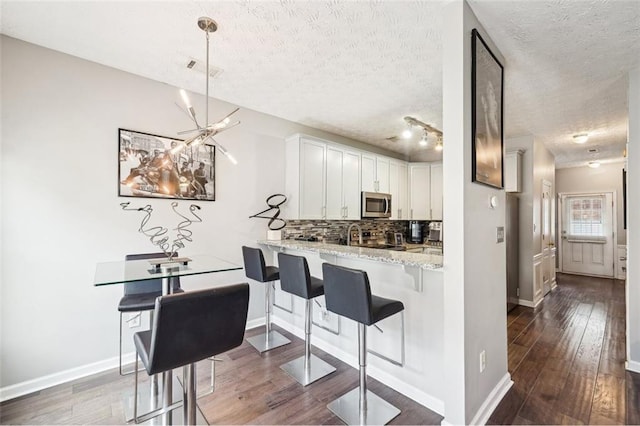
[[423, 261], [406, 355]]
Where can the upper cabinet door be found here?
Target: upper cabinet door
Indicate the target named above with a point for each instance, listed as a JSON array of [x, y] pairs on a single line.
[[398, 190], [351, 185], [368, 173], [382, 174], [312, 179], [436, 191], [419, 191], [335, 179]]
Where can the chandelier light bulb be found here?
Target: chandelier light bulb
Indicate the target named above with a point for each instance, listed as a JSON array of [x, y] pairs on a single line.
[[407, 133], [423, 141], [439, 145]]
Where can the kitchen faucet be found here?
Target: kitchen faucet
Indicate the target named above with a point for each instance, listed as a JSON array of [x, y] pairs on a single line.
[[349, 233]]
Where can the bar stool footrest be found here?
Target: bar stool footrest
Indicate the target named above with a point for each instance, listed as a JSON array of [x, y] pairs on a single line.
[[317, 369], [347, 408], [264, 343]]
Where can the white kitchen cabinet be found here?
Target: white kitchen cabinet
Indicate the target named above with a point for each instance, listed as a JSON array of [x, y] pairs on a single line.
[[512, 171], [335, 178], [436, 191], [343, 184], [419, 191], [312, 179], [398, 177], [375, 173], [351, 185], [322, 180]]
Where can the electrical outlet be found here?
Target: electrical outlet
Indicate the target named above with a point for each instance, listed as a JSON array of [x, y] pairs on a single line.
[[483, 361], [134, 320]]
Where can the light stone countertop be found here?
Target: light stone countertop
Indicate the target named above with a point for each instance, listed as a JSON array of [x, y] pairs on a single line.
[[424, 261]]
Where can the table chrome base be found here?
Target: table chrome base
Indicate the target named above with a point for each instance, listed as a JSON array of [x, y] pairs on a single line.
[[347, 408], [317, 369], [266, 342]]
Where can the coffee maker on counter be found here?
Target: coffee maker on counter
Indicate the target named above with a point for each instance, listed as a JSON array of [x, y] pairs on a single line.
[[434, 238], [416, 232]]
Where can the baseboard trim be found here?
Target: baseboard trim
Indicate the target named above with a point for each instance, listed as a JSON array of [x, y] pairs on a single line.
[[492, 401], [632, 366], [382, 376], [34, 385], [44, 382], [528, 303]]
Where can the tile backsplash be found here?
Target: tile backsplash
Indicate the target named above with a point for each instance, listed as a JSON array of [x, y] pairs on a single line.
[[332, 231]]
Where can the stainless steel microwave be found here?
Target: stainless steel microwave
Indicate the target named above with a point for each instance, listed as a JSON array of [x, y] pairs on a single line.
[[376, 205]]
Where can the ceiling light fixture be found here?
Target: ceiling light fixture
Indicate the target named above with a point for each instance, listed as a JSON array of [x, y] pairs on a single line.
[[413, 122], [594, 164], [439, 144], [580, 138], [408, 132], [423, 141], [205, 134]]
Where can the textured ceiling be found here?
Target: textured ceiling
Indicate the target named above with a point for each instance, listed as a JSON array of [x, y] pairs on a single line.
[[356, 68]]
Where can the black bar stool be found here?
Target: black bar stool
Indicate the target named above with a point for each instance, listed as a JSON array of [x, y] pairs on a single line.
[[256, 269], [141, 296], [296, 279], [189, 327], [348, 293]]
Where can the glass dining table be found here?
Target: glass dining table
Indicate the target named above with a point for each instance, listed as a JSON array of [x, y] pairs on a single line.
[[120, 272]]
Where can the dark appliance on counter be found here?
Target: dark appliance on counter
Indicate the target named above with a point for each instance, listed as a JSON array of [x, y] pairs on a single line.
[[416, 232], [376, 205]]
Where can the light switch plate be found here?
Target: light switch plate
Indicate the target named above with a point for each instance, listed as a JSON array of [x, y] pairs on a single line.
[[500, 234]]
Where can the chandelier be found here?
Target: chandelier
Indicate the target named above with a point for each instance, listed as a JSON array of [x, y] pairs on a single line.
[[204, 134]]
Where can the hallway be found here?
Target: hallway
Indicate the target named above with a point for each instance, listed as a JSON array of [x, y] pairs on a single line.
[[566, 358]]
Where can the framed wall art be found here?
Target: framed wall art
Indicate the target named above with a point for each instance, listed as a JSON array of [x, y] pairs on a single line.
[[487, 98], [153, 166]]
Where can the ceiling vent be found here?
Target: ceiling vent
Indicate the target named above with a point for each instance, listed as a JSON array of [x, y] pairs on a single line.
[[200, 67]]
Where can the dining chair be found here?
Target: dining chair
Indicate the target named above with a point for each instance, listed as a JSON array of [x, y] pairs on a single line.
[[140, 296]]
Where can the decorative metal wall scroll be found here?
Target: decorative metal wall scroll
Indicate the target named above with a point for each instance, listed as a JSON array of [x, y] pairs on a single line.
[[158, 235], [275, 223]]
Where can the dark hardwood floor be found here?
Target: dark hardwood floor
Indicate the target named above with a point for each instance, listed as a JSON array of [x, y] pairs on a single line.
[[566, 358], [250, 389]]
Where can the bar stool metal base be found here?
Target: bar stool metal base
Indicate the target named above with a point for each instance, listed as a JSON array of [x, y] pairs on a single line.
[[266, 342], [317, 369], [378, 412]]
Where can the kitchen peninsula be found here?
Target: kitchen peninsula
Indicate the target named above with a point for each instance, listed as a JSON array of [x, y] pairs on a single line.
[[406, 352]]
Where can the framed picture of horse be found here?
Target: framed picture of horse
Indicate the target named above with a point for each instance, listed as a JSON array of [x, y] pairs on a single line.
[[153, 166]]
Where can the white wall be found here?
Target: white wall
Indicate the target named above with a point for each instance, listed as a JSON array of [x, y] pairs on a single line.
[[60, 210], [633, 224], [607, 177], [475, 268]]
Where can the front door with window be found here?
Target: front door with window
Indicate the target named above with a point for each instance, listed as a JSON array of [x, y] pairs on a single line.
[[587, 234]]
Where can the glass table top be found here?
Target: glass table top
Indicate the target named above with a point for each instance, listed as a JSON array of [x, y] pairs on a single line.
[[137, 270]]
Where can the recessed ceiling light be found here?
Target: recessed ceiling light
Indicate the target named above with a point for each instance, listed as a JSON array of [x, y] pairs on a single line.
[[594, 164], [592, 150], [581, 138]]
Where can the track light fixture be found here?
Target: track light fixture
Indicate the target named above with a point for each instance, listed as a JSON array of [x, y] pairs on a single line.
[[414, 122]]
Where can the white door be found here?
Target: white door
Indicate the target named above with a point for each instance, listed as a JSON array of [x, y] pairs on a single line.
[[587, 234]]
